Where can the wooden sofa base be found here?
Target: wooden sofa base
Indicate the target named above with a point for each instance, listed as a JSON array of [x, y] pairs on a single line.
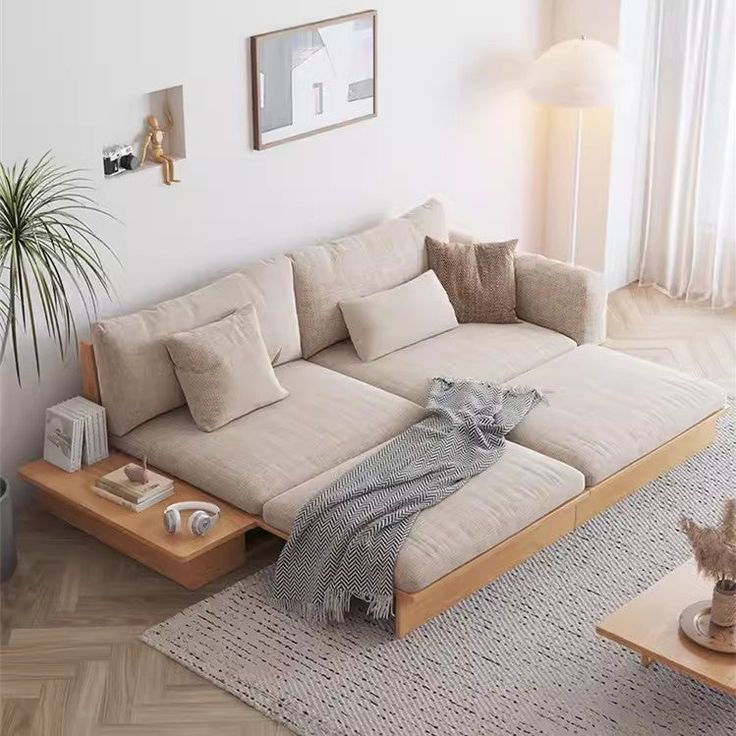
[[414, 609]]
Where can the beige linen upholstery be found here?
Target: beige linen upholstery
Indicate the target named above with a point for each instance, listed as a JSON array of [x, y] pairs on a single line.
[[326, 419], [564, 298], [484, 352], [224, 369], [389, 320], [606, 409], [519, 489], [136, 375], [376, 259]]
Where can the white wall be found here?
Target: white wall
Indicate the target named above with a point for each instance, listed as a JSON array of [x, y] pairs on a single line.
[[452, 118]]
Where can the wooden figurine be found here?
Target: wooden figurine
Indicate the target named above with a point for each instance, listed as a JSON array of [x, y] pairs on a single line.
[[155, 139]]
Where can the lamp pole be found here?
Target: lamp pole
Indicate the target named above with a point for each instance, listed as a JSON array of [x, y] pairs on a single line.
[[576, 188]]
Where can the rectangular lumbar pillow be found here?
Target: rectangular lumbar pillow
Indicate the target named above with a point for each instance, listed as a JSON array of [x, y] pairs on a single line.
[[392, 319], [224, 369], [379, 258], [136, 375], [479, 278]]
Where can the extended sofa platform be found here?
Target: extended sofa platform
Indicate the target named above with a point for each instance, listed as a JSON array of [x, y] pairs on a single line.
[[610, 423]]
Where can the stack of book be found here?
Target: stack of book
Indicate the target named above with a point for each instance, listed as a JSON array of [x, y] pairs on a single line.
[[76, 432], [117, 487]]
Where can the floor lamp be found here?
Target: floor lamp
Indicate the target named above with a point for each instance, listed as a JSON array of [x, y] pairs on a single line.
[[578, 73]]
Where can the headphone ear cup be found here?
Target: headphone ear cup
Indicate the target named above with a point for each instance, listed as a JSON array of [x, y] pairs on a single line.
[[199, 523], [172, 521]]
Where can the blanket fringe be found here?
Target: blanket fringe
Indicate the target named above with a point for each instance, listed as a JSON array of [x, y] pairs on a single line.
[[335, 604]]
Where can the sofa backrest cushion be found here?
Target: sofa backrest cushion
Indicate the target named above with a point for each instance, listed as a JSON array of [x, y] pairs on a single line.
[[374, 260], [135, 372]]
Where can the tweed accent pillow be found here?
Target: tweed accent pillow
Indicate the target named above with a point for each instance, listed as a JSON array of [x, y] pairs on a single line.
[[479, 278], [224, 369], [392, 319]]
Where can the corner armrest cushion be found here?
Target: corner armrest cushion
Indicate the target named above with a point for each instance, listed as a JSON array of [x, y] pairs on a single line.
[[568, 299]]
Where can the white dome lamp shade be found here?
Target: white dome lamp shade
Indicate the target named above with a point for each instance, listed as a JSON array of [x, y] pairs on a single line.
[[577, 73]]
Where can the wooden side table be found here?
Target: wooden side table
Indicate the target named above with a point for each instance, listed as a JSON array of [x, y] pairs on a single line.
[[650, 625], [190, 561]]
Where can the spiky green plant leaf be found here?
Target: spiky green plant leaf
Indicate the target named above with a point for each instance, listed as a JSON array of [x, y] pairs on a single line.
[[49, 256]]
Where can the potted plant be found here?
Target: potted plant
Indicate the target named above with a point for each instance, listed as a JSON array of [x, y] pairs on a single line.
[[50, 265], [715, 555]]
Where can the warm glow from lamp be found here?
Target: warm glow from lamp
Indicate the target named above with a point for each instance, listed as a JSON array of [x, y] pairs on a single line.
[[577, 73]]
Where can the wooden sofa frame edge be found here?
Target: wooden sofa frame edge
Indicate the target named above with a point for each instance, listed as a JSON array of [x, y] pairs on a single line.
[[415, 608]]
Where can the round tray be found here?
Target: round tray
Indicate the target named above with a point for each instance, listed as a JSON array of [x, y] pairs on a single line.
[[695, 624]]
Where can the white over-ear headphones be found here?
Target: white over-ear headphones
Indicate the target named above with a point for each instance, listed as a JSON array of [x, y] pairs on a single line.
[[205, 516]]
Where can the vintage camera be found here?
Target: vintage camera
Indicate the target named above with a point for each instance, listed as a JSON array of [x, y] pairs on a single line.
[[116, 159]]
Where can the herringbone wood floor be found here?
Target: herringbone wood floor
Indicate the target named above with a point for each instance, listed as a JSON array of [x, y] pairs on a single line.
[[71, 663]]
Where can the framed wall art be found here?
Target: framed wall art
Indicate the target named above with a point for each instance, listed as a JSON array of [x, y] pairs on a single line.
[[313, 77]]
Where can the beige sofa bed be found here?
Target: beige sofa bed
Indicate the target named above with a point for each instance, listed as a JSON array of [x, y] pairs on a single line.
[[611, 423]]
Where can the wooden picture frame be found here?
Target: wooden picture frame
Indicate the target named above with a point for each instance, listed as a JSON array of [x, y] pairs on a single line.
[[296, 106]]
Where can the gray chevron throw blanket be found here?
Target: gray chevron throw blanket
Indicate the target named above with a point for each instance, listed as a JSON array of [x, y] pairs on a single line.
[[346, 539]]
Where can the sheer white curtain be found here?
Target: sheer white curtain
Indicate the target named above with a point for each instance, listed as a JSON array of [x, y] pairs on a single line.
[[687, 197]]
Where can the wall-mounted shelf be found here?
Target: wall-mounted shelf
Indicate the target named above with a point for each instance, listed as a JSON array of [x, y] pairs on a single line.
[[128, 125]]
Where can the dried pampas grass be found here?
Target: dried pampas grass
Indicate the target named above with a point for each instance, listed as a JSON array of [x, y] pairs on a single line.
[[715, 547]]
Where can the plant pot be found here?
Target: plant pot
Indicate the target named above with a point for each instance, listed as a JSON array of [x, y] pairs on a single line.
[[8, 556], [723, 607]]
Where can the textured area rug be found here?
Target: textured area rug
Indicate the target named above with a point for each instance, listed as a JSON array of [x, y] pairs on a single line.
[[519, 657]]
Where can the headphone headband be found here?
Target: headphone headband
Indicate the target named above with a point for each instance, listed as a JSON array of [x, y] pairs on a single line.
[[194, 506]]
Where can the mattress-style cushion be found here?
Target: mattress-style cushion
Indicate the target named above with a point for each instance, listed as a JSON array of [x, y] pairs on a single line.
[[326, 419], [478, 277], [520, 488], [483, 352], [389, 320], [136, 375], [224, 369], [380, 258], [606, 409]]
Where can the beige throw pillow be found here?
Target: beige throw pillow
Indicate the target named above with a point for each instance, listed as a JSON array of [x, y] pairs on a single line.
[[392, 319], [224, 369], [479, 278]]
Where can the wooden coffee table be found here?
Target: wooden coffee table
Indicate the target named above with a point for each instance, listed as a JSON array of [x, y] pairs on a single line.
[[649, 625], [189, 560]]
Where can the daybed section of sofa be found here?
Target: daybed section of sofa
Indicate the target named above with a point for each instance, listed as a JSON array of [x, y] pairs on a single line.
[[520, 488], [606, 410]]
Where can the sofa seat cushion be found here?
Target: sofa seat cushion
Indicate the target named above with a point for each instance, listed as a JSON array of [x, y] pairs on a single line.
[[606, 409], [326, 419], [520, 488], [487, 352]]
